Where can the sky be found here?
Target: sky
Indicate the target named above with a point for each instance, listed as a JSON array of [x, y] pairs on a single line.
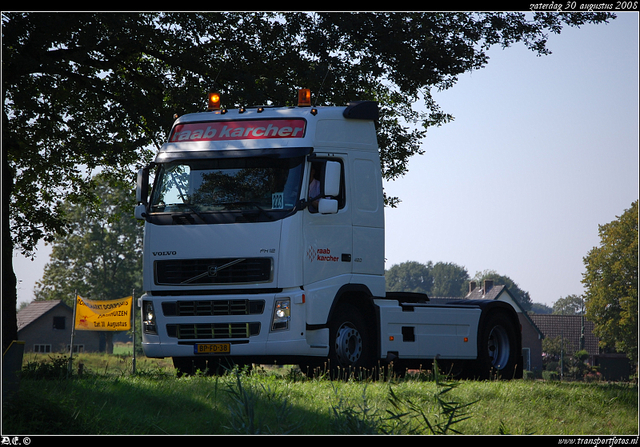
[[542, 151]]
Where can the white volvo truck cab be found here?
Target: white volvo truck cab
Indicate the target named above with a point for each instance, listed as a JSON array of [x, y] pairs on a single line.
[[264, 243]]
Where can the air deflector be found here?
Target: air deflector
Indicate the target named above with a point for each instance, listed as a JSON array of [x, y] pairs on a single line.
[[361, 110]]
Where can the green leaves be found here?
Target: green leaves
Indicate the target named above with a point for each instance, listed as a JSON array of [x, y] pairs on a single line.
[[84, 91], [100, 257], [442, 279], [611, 283]]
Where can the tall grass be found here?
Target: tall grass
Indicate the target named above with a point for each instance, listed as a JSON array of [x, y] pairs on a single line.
[[110, 400]]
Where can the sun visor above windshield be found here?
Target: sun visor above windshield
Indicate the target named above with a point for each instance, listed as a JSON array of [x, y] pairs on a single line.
[[285, 152]]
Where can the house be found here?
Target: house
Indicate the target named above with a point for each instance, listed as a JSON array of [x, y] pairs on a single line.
[[531, 335], [45, 327], [577, 332]]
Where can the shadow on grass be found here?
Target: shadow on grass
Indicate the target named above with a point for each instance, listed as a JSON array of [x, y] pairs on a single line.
[[139, 406]]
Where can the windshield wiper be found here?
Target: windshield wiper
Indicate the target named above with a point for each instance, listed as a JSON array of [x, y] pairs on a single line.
[[198, 213], [188, 207], [248, 212]]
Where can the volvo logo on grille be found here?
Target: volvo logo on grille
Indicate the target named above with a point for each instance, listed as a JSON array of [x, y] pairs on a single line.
[[212, 271]]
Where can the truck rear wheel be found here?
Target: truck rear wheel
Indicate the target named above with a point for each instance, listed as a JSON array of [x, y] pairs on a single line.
[[350, 343], [497, 348]]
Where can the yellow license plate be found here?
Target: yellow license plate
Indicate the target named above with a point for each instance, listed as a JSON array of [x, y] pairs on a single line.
[[212, 348]]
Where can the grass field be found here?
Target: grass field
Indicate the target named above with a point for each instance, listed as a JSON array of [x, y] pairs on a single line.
[[109, 399]]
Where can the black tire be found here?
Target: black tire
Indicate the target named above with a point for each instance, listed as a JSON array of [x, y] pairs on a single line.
[[498, 354], [350, 344]]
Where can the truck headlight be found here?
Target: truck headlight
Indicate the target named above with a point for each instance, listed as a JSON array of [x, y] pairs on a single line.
[[149, 318], [281, 314]]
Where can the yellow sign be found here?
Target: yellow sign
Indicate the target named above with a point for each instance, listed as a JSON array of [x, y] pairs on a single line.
[[103, 315]]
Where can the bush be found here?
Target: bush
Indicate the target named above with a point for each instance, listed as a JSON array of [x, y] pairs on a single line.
[[593, 376], [581, 356], [56, 368]]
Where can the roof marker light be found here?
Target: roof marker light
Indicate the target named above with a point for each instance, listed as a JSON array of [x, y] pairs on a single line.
[[213, 101], [304, 97]]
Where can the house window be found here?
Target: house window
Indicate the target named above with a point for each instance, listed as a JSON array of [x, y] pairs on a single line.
[[76, 348], [59, 322], [42, 348], [526, 355]]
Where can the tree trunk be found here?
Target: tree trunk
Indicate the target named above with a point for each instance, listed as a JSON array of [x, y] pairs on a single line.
[[9, 283]]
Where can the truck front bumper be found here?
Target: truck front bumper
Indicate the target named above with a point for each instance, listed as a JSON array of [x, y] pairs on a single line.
[[241, 325]]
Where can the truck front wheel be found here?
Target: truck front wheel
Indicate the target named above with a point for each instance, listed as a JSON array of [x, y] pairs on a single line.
[[188, 366], [350, 343], [497, 348]]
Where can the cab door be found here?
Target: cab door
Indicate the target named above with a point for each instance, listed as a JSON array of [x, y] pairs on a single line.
[[328, 238]]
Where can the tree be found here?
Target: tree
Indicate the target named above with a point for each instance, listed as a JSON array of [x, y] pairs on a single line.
[[556, 348], [410, 276], [83, 91], [518, 294], [539, 308], [449, 279], [439, 279], [611, 283], [569, 305], [100, 258], [560, 355]]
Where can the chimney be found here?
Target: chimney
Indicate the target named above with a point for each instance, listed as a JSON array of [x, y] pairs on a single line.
[[488, 285], [472, 286]]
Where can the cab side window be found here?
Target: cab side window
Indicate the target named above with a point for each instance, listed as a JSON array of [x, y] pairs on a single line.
[[316, 184]]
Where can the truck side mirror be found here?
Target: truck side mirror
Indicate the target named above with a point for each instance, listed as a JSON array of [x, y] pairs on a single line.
[[140, 212], [327, 206], [142, 188], [332, 178], [142, 193]]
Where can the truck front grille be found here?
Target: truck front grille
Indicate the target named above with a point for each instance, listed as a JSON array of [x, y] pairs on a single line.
[[186, 272], [211, 331]]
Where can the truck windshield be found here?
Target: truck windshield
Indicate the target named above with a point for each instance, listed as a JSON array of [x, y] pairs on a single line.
[[218, 185]]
